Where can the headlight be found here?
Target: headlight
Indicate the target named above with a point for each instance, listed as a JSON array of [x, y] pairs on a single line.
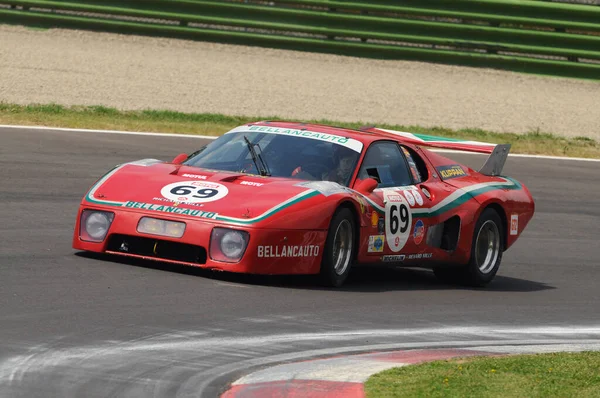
[[94, 225], [228, 245]]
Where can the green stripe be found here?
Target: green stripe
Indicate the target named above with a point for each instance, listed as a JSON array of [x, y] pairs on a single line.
[[429, 138], [422, 213], [465, 197], [269, 213], [90, 198]]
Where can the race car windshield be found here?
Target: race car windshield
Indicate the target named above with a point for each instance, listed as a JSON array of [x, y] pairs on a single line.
[[287, 156]]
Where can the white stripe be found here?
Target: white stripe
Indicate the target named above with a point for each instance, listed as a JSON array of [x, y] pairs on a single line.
[[141, 162], [347, 142], [458, 193], [449, 199], [347, 368], [357, 368], [272, 209], [206, 137], [210, 137]]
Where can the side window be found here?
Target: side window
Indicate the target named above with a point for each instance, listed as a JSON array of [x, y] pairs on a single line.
[[416, 165], [385, 163]]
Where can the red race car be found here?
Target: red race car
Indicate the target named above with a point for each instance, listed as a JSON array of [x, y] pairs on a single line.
[[294, 198]]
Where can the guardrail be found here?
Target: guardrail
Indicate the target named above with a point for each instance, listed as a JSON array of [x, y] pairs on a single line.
[[522, 35]]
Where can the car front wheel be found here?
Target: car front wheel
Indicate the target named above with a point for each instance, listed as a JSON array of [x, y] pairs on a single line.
[[338, 254]]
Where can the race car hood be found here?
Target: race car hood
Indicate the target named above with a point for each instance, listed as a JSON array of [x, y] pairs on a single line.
[[183, 191]]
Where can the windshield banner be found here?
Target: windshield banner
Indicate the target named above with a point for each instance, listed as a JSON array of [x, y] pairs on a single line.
[[350, 143]]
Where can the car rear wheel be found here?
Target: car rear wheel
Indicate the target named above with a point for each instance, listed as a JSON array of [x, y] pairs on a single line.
[[338, 254], [486, 253]]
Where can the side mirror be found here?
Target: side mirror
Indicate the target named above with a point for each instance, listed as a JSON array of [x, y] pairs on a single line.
[[180, 158], [366, 186]]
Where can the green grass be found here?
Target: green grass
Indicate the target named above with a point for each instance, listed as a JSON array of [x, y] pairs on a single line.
[[100, 117], [544, 375]]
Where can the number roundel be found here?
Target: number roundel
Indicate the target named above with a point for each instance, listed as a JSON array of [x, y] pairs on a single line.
[[398, 221], [194, 191]]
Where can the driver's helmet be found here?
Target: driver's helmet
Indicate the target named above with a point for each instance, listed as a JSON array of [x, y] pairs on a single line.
[[346, 163]]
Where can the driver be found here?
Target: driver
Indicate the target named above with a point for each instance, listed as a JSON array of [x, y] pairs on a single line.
[[343, 170]]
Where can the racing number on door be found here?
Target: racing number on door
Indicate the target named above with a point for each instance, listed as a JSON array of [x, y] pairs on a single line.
[[398, 221]]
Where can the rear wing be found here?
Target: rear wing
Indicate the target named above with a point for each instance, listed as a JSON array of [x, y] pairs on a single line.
[[493, 165]]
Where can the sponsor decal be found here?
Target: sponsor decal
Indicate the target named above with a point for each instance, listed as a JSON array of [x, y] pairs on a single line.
[[419, 232], [362, 203], [198, 176], [394, 197], [396, 258], [398, 220], [252, 183], [410, 197], [451, 171], [156, 198], [419, 256], [351, 143], [381, 226], [170, 209], [514, 224], [375, 244], [426, 193], [287, 251], [374, 219], [194, 191], [411, 192], [301, 133], [418, 197]]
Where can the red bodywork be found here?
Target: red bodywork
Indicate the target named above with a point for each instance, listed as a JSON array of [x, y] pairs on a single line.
[[288, 224]]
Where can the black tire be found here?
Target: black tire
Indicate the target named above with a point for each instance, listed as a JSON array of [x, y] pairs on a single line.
[[335, 270], [482, 266]]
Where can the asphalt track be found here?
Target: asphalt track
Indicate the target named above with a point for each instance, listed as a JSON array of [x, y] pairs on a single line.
[[78, 325]]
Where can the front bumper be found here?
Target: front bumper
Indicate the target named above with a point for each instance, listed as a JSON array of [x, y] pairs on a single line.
[[269, 251]]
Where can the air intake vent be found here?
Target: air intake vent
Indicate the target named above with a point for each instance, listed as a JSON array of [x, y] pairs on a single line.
[[157, 248]]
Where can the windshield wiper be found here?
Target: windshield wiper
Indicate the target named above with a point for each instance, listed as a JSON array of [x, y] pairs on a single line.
[[259, 162]]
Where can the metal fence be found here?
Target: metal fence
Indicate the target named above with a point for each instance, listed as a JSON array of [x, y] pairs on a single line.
[[535, 36]]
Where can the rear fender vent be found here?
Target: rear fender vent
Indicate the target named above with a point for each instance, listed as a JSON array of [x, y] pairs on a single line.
[[445, 235]]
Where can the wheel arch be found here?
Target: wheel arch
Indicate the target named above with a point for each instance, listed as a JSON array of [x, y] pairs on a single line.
[[497, 207], [350, 205]]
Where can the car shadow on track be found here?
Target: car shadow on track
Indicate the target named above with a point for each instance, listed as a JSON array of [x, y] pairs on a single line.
[[361, 279]]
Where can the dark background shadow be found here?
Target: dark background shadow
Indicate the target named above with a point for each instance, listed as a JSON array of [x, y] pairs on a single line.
[[361, 279]]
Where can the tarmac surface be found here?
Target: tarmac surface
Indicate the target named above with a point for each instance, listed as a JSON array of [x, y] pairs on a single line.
[[81, 325]]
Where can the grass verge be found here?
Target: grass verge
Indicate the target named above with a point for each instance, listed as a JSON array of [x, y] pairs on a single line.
[[100, 117], [544, 375]]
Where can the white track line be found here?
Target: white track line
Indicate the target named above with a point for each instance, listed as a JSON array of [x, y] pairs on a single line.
[[210, 137], [207, 137]]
